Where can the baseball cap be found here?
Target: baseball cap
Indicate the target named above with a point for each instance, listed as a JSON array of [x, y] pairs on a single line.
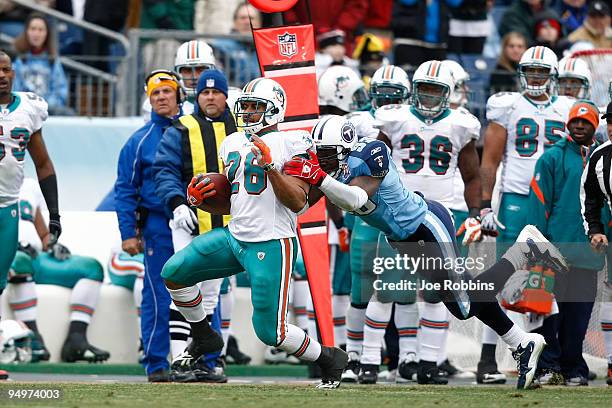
[[598, 8], [608, 113]]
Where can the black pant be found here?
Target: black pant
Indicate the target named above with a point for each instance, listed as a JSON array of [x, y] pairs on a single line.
[[564, 332]]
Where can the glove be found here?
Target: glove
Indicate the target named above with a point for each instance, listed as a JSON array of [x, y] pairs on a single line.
[[185, 218], [55, 228], [344, 239], [308, 170], [472, 228], [489, 222], [262, 153], [59, 252], [199, 189]]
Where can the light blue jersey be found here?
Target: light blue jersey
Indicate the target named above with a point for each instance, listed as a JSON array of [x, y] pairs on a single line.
[[394, 210]]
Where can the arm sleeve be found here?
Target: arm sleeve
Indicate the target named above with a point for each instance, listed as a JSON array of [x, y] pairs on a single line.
[[541, 194], [352, 15], [591, 197], [168, 170], [349, 198], [127, 188]]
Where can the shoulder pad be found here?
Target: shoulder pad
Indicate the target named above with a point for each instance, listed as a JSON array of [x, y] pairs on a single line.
[[502, 100], [375, 154], [391, 113]]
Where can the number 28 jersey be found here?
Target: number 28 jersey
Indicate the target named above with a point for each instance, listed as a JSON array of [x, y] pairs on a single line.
[[531, 128], [18, 121], [257, 214], [426, 151]]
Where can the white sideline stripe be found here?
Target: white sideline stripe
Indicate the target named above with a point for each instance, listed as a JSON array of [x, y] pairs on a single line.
[[290, 72], [313, 231]]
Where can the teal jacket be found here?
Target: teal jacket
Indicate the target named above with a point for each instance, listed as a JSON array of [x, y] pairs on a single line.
[[554, 202]]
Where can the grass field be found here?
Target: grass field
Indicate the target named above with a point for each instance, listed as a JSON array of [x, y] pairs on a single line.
[[281, 396]]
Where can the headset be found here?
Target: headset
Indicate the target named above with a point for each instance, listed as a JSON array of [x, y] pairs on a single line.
[[181, 94]]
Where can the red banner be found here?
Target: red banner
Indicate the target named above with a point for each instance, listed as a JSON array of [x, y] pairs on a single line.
[[286, 54]]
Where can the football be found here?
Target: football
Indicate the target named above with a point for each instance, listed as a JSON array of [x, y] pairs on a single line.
[[219, 204]]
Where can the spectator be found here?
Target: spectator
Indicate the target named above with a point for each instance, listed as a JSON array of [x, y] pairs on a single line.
[[332, 51], [555, 209], [504, 78], [13, 16], [111, 14], [520, 17], [548, 33], [378, 19], [573, 13], [327, 15], [214, 16], [469, 27], [239, 57], [166, 14], [596, 27], [421, 30], [38, 68], [369, 51]]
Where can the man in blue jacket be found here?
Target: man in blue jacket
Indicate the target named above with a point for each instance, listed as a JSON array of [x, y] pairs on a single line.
[[142, 221]]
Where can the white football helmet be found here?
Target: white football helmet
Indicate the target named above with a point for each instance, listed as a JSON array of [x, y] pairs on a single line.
[[341, 87], [574, 68], [459, 96], [334, 136], [15, 342], [389, 84], [193, 54], [538, 57], [271, 103], [430, 73]]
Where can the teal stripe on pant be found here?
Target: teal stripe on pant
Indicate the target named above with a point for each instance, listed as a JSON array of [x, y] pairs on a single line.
[[9, 230]]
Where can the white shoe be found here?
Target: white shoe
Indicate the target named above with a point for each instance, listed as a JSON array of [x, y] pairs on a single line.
[[531, 244], [526, 355], [388, 376], [274, 355], [351, 372]]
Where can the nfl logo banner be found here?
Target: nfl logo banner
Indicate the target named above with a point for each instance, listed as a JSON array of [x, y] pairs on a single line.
[[286, 54]]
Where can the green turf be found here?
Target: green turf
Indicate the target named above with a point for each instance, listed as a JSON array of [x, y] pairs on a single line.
[[280, 370], [281, 396]]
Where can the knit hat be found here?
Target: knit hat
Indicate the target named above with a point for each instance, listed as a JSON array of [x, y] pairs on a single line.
[[586, 111], [212, 78], [159, 79]]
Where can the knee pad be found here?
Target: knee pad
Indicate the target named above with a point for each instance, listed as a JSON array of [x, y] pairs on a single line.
[[95, 271]]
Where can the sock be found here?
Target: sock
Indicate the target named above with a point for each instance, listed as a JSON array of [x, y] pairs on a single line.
[[606, 327], [489, 344], [355, 319], [442, 356], [188, 301], [339, 306], [78, 327], [312, 324], [487, 353], [407, 320], [431, 334], [376, 319], [300, 296], [210, 291], [23, 300], [83, 299], [227, 306], [180, 331], [298, 343], [514, 336]]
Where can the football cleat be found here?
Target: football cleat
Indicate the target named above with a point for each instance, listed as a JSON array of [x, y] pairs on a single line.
[[526, 355], [550, 377], [429, 373], [233, 353], [578, 381], [351, 373], [388, 375], [487, 373], [407, 369], [273, 355], [77, 348], [39, 350], [211, 343], [368, 374], [540, 249], [160, 375], [332, 361]]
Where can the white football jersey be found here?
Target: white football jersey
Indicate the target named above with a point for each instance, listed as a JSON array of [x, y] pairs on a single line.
[[426, 152], [30, 200], [531, 128], [257, 214], [18, 121], [364, 124]]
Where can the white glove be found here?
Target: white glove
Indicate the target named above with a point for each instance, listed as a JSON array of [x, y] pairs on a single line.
[[185, 218], [472, 228], [489, 222]]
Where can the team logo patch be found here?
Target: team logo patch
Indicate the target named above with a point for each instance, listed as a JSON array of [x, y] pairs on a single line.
[[348, 132], [287, 44], [582, 111], [210, 83], [261, 255], [279, 94]]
